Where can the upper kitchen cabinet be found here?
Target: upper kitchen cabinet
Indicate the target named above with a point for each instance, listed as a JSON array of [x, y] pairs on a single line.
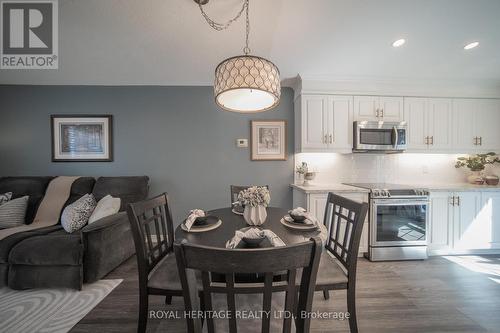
[[475, 125], [429, 124], [378, 108], [323, 123]]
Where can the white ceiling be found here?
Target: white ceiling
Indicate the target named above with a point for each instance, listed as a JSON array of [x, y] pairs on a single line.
[[167, 42]]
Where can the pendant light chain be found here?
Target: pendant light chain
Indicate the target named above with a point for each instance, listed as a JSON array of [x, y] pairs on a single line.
[[223, 26]]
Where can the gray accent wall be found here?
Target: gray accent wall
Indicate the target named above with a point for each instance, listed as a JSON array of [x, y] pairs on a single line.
[[175, 135]]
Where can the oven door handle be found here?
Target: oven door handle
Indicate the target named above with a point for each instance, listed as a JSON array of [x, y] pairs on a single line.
[[395, 138], [400, 202]]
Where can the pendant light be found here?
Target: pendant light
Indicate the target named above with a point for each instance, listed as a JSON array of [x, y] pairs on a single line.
[[244, 83]]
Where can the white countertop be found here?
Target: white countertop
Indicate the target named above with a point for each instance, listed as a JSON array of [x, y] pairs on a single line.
[[322, 188], [317, 188], [458, 187]]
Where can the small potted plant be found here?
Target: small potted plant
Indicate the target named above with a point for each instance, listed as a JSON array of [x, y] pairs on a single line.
[[255, 199], [476, 164], [307, 175]]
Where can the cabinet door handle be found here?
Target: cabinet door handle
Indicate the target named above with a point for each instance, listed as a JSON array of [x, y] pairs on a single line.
[[331, 138], [475, 140], [480, 140], [426, 140], [325, 138], [432, 140], [377, 113], [458, 201], [382, 110], [452, 201]]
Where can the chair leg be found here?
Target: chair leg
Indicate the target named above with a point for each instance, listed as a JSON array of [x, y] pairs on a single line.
[[143, 313], [351, 308], [326, 294], [168, 299]]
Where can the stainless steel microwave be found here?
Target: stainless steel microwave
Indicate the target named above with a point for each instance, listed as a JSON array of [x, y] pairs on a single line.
[[379, 136]]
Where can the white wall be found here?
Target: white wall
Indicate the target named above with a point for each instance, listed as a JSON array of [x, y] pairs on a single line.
[[392, 168]]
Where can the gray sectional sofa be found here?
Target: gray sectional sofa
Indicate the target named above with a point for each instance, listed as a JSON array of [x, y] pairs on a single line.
[[50, 257]]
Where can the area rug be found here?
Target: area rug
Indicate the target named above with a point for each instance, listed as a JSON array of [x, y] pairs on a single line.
[[49, 310]]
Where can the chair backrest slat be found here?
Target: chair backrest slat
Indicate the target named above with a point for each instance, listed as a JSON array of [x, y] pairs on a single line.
[[267, 261], [152, 229], [344, 219]]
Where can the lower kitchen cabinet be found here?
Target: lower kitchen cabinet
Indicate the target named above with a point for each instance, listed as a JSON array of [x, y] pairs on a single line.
[[315, 203], [464, 222]]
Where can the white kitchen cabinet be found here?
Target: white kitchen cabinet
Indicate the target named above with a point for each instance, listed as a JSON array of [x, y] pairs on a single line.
[[314, 122], [429, 124], [440, 237], [315, 203], [464, 222], [487, 122], [324, 123], [475, 124], [378, 108]]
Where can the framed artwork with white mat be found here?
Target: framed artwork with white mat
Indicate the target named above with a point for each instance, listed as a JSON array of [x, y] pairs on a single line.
[[82, 138], [268, 140]]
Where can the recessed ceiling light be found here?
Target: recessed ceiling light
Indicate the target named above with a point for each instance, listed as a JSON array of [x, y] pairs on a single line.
[[471, 45], [399, 42]]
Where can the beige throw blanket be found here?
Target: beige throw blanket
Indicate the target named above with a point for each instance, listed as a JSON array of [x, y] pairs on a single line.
[[50, 208]]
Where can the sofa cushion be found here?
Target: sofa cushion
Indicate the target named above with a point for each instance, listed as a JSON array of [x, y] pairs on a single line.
[[76, 216], [13, 212], [128, 189], [34, 187], [8, 243], [80, 187], [50, 249]]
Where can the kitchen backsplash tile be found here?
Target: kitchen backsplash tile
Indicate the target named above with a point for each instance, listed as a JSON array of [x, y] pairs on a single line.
[[400, 168]]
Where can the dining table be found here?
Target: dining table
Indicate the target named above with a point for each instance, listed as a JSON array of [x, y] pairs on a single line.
[[231, 222]]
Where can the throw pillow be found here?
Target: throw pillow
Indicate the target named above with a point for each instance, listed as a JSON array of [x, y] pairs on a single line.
[[75, 216], [105, 207], [13, 212], [5, 197]]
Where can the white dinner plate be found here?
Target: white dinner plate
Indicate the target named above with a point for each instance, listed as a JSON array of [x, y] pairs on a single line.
[[297, 226], [202, 229]]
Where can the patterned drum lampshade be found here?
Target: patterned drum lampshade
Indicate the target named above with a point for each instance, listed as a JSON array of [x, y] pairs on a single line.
[[247, 84]]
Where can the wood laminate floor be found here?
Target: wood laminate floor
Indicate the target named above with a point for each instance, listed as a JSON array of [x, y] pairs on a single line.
[[441, 294]]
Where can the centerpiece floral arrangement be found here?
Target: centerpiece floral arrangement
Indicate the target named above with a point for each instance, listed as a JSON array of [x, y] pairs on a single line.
[[254, 196]]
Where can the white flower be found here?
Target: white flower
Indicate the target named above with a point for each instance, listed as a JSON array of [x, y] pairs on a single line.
[[254, 196]]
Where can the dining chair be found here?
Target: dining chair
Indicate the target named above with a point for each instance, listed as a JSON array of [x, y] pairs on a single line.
[[344, 219], [236, 189], [153, 233], [302, 258]]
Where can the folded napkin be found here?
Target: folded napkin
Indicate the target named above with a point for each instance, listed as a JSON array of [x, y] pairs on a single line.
[[254, 233], [193, 215], [310, 219]]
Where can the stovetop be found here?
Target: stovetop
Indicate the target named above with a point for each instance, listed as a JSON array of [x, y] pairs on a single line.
[[386, 190]]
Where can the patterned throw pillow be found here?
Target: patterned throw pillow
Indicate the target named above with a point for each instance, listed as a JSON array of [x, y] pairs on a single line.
[[13, 212], [76, 215], [5, 197]]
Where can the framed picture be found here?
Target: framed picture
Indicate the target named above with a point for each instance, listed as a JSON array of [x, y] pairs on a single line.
[[268, 140], [82, 138]]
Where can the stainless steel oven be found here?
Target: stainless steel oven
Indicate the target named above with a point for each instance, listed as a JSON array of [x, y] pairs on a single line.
[[379, 136], [398, 227]]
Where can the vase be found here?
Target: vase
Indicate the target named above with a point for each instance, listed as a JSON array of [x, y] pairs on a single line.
[[307, 177], [475, 177], [255, 215]]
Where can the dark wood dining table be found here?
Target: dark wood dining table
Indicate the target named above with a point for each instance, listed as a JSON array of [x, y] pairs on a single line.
[[232, 222]]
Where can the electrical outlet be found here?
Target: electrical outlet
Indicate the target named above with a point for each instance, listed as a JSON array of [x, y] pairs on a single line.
[[241, 143]]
